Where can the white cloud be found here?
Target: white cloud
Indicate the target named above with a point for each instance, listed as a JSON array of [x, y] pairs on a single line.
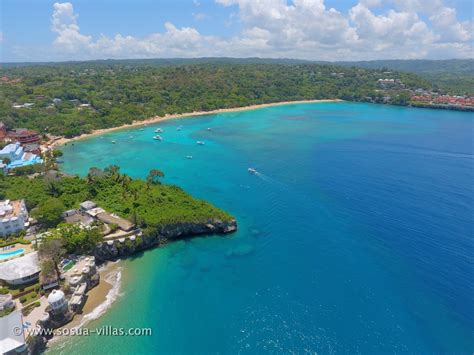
[[300, 29], [199, 16], [64, 24]]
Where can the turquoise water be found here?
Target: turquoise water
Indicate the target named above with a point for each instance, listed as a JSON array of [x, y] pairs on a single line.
[[11, 253], [356, 236]]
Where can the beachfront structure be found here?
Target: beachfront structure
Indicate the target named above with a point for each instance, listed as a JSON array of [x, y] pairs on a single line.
[[58, 303], [17, 156], [12, 334], [78, 297], [20, 270], [24, 135], [13, 217]]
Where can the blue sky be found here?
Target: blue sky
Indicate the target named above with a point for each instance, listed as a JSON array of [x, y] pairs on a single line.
[[38, 30]]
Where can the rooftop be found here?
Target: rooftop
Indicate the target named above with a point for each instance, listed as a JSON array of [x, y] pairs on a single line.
[[18, 268], [87, 205], [9, 149], [9, 339], [123, 224], [10, 209]]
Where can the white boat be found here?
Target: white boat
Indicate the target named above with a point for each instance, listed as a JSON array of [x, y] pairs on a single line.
[[209, 129], [157, 138], [200, 142], [113, 142], [158, 130], [179, 128], [252, 171], [189, 156]]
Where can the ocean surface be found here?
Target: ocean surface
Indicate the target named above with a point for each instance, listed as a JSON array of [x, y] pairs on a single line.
[[356, 235]]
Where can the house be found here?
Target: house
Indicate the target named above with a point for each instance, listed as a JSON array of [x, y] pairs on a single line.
[[24, 135], [12, 334], [48, 281], [13, 217], [122, 223], [32, 148], [87, 205], [18, 157], [20, 270], [13, 151]]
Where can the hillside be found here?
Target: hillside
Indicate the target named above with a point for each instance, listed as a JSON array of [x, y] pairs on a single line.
[[453, 75], [102, 94]]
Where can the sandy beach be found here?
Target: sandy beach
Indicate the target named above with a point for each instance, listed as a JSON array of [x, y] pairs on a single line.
[[99, 299], [62, 140]]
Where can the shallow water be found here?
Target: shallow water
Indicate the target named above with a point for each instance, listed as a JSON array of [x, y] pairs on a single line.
[[355, 236]]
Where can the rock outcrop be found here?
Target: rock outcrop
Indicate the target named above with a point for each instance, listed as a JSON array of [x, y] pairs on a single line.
[[111, 250]]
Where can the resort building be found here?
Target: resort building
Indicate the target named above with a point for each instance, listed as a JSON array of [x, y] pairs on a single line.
[[24, 135], [20, 270], [58, 303], [18, 156], [12, 151], [13, 217], [87, 205], [12, 334]]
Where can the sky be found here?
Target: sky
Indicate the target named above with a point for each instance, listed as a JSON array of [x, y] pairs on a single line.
[[43, 30]]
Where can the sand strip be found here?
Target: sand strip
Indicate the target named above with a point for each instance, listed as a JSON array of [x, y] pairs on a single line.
[[156, 119]]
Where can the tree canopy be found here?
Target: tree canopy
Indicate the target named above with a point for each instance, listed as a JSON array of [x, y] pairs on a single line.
[[74, 98]]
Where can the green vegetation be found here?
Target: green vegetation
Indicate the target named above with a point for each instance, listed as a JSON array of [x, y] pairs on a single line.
[[13, 239], [145, 203], [49, 212], [455, 76], [23, 290], [120, 92], [29, 308], [6, 312], [75, 239]]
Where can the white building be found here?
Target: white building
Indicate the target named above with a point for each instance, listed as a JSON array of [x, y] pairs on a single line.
[[13, 151], [20, 270], [57, 301], [13, 216], [12, 335]]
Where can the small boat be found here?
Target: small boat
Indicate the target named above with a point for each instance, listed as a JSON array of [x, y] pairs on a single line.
[[252, 171], [189, 156], [179, 128], [157, 138], [200, 143], [113, 142], [208, 129], [158, 130]]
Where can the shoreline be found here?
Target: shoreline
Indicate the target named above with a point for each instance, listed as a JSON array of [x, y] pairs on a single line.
[[63, 141], [99, 299]]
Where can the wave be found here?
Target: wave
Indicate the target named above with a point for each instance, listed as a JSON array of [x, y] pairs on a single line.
[[114, 278]]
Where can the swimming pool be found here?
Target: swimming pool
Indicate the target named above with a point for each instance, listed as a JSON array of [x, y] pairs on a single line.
[[11, 253]]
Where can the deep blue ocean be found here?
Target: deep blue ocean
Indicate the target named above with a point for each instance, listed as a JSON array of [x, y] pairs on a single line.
[[356, 236]]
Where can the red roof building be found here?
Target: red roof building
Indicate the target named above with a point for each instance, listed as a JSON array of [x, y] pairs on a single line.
[[24, 135]]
